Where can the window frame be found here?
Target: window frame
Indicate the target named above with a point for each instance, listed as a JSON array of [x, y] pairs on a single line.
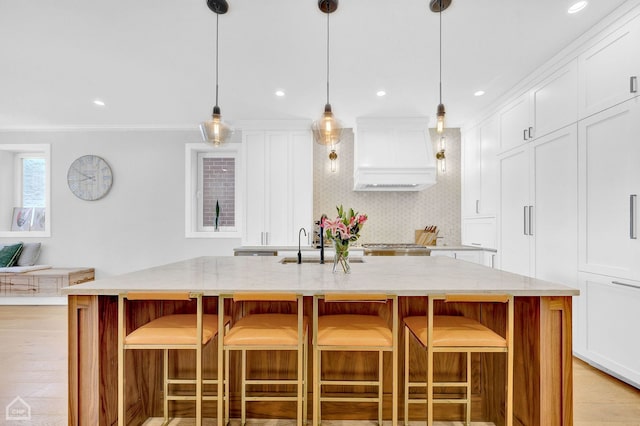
[[21, 151], [194, 153]]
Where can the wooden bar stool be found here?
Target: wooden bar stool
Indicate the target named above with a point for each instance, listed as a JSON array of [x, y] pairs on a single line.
[[457, 334], [170, 332], [268, 332], [354, 332]]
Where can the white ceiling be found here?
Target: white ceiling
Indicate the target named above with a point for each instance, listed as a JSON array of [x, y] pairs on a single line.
[[152, 61]]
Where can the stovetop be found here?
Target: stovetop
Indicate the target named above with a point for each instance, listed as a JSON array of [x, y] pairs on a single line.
[[392, 246]]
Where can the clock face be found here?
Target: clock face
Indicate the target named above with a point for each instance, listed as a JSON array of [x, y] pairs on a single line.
[[89, 177]]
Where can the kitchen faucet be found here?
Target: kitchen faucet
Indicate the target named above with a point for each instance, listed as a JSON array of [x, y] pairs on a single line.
[[299, 252], [322, 239]]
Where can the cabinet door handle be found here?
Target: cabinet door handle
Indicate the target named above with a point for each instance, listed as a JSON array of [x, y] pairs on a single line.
[[262, 238], [530, 220], [493, 260], [266, 235], [477, 206], [625, 284], [476, 244], [530, 131], [633, 84], [526, 220], [632, 217], [524, 134]]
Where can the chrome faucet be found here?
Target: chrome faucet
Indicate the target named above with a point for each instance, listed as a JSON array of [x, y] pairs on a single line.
[[299, 252], [322, 239]]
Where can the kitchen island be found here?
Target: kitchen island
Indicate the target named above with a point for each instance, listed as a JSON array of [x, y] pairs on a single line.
[[542, 334]]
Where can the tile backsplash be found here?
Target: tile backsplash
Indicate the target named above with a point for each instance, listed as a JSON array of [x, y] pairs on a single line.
[[393, 216]]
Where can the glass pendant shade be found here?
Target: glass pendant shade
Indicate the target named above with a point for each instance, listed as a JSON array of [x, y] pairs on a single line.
[[440, 116], [327, 130], [215, 131]]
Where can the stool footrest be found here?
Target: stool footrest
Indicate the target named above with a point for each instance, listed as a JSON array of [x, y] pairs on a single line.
[[271, 382], [349, 383], [451, 401], [271, 398], [346, 399], [450, 385]]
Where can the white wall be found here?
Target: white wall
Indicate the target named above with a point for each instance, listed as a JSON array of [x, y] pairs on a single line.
[[140, 222], [6, 188]]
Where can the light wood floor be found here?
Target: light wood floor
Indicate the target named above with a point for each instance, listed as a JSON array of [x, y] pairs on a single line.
[[33, 366]]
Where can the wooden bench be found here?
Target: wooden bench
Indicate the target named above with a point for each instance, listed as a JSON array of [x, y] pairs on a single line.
[[43, 282]]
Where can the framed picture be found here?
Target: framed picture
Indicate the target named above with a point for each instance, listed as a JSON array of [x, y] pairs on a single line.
[[22, 218], [38, 219]]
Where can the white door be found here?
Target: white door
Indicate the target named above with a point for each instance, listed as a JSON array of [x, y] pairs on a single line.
[[279, 215], [609, 159], [515, 123], [489, 171], [608, 69], [514, 241], [555, 100], [612, 337], [555, 206], [471, 173], [255, 195]]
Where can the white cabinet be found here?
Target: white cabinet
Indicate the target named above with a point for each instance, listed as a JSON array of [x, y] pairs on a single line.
[[538, 208], [473, 256], [609, 71], [605, 325], [555, 100], [547, 107], [279, 186], [609, 159], [480, 171], [516, 123], [514, 240], [479, 232]]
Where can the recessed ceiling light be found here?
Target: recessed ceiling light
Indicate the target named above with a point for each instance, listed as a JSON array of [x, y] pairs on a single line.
[[98, 102], [479, 93], [577, 6], [381, 93], [279, 93]]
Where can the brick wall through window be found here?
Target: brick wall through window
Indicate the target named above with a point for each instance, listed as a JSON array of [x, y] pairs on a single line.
[[218, 184]]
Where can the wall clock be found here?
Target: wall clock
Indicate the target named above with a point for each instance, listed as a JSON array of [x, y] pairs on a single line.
[[89, 177]]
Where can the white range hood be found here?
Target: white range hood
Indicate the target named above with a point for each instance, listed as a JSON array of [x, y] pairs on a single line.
[[393, 154]]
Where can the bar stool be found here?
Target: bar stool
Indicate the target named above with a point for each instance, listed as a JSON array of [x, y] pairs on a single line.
[[457, 334], [268, 332], [356, 333], [170, 332]]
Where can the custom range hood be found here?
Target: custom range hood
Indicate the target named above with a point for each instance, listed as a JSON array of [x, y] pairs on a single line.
[[393, 154]]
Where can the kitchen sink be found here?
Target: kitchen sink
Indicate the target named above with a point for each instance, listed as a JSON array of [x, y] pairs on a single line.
[[327, 261]]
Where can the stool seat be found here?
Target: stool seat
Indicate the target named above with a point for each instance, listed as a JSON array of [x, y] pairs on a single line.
[[265, 330], [178, 329], [454, 331], [353, 330]]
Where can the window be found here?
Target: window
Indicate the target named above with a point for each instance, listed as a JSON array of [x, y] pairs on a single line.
[[25, 189], [212, 191]]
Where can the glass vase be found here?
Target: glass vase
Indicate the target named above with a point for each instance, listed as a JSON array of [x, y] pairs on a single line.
[[341, 256]]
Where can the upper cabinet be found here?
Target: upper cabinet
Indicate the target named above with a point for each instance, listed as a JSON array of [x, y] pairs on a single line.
[[549, 106], [609, 71], [516, 123], [279, 186], [555, 100]]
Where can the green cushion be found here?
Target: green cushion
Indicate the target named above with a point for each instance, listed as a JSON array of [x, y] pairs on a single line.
[[9, 255]]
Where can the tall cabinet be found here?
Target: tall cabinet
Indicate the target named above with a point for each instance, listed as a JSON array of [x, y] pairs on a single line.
[[279, 186], [569, 181], [539, 208]]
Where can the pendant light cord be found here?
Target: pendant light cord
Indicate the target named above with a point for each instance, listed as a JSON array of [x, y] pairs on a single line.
[[217, 19], [440, 14], [328, 13]]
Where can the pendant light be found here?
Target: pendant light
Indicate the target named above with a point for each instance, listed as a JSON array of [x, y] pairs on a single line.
[[215, 131], [327, 130], [438, 6]]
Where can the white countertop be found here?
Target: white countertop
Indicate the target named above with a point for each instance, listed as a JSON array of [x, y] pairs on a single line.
[[400, 275]]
